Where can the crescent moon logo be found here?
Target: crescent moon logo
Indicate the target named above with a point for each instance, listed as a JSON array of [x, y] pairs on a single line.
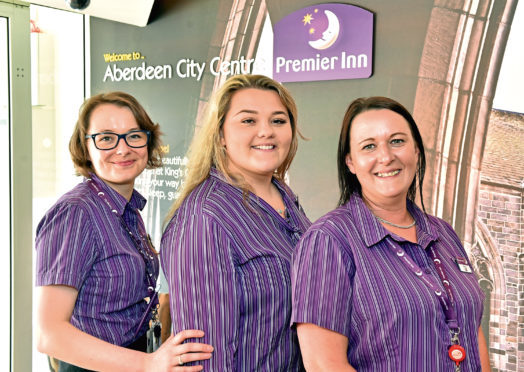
[[436, 260], [418, 273], [100, 193], [330, 35], [446, 282], [438, 293], [114, 211], [400, 254]]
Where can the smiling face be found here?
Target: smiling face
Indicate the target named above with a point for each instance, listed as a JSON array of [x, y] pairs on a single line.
[[120, 166], [256, 133], [383, 155]]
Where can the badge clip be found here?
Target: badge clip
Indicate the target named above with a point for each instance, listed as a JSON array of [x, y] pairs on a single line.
[[463, 265]]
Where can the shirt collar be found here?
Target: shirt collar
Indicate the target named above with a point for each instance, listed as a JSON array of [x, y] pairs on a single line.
[[372, 230], [426, 231], [213, 172], [282, 187], [137, 201], [287, 196]]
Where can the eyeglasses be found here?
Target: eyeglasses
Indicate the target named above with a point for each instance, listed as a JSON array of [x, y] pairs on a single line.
[[108, 140]]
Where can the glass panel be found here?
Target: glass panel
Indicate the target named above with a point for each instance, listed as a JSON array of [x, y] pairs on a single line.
[[57, 84], [508, 96], [5, 190]]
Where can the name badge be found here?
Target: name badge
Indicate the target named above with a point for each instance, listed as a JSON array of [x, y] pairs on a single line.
[[463, 265]]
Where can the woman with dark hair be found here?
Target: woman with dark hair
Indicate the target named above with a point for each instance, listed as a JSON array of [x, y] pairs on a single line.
[[227, 248], [379, 285], [96, 269]]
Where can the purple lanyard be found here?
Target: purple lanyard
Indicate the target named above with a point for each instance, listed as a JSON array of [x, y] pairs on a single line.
[[140, 243], [447, 301]]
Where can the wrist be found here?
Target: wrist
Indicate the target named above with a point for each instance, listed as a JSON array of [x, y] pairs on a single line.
[[146, 362]]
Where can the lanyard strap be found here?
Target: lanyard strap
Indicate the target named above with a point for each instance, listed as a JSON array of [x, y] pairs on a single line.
[[447, 301], [147, 254], [451, 317]]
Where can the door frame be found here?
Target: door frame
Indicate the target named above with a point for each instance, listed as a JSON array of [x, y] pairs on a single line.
[[20, 174]]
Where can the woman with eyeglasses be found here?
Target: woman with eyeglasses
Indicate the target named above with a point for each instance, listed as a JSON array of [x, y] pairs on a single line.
[[96, 269]]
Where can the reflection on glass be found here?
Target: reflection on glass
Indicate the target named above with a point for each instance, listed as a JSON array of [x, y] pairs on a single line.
[[57, 81]]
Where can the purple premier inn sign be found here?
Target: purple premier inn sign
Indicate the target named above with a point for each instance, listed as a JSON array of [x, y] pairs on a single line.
[[324, 42]]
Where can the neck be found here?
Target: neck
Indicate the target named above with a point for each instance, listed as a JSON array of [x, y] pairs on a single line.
[[126, 190], [394, 211], [261, 186], [268, 192]]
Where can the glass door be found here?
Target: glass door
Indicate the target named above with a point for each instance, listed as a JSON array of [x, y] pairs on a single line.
[[58, 49], [15, 186]]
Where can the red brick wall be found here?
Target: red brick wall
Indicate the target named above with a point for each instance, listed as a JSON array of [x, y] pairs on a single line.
[[500, 211]]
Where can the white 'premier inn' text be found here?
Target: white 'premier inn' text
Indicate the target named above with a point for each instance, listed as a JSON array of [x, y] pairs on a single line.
[[321, 63]]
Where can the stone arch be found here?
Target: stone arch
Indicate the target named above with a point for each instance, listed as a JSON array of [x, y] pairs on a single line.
[[459, 68], [488, 266]]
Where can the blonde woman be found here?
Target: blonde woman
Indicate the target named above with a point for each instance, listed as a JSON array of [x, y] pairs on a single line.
[[227, 248]]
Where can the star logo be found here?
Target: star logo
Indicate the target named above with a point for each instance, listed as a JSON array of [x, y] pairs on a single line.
[[307, 19]]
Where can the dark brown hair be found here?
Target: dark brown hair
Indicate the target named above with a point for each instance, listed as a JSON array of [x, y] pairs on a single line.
[[347, 181]]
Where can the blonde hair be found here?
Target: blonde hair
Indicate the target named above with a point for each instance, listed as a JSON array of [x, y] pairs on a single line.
[[206, 149]]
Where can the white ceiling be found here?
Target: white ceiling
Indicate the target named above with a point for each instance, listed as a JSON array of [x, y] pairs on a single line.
[[134, 12]]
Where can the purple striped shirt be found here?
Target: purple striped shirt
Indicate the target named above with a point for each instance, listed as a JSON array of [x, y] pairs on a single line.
[[347, 278], [228, 268], [82, 244]]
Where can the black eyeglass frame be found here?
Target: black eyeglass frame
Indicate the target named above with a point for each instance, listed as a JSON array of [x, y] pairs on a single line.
[[120, 136]]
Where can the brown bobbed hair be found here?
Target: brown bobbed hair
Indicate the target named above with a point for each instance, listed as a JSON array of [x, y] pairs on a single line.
[[78, 142], [206, 150], [347, 181]]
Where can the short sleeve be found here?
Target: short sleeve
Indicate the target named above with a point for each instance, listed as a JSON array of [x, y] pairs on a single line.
[[197, 262], [64, 245], [322, 282]]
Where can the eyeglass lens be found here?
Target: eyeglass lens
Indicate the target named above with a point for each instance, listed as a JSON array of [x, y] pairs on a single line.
[[106, 141]]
